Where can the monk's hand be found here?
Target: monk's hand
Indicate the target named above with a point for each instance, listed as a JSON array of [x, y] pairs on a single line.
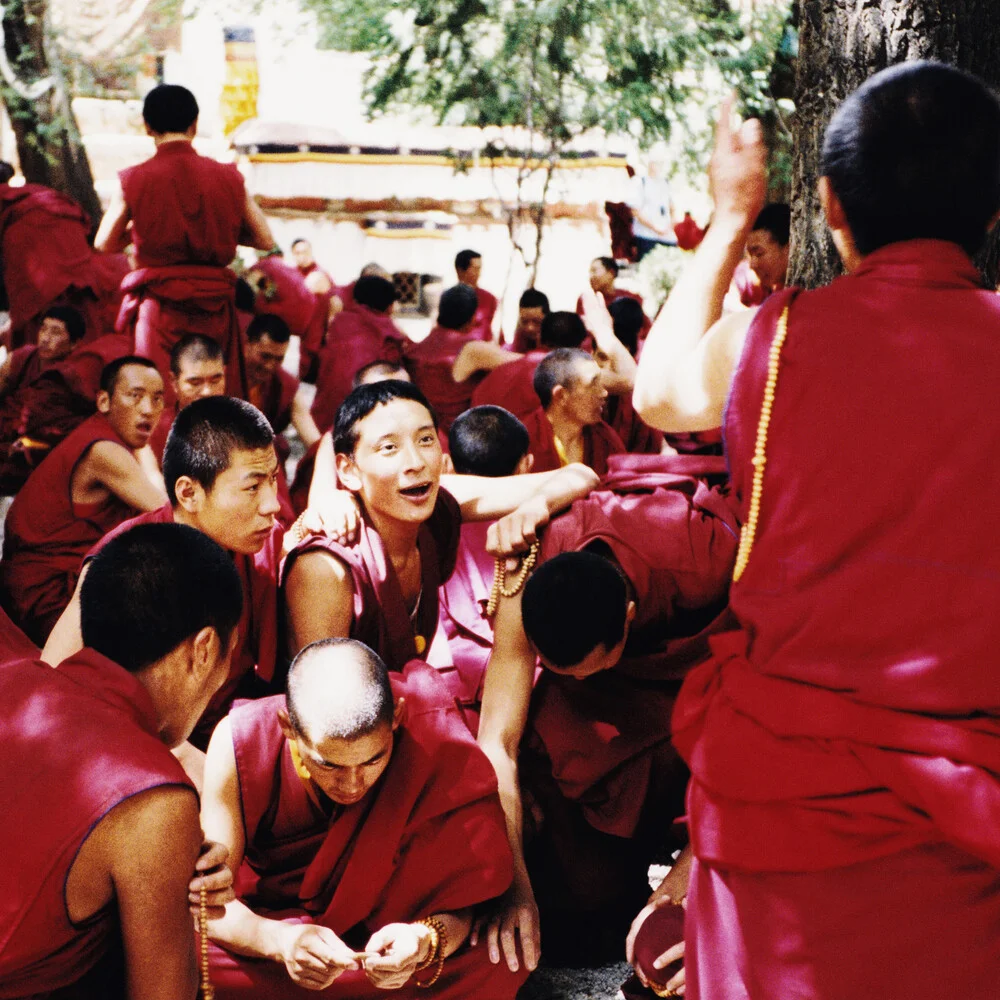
[[737, 171], [394, 952], [314, 956], [518, 531], [211, 873], [596, 317], [515, 918], [338, 517]]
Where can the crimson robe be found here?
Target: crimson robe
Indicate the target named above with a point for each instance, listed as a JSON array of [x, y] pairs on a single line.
[[430, 362], [287, 296], [158, 439], [637, 436], [257, 648], [851, 722], [696, 442], [46, 534], [315, 337], [274, 399], [511, 385], [600, 442], [430, 837], [358, 335], [77, 741], [482, 321], [24, 365]]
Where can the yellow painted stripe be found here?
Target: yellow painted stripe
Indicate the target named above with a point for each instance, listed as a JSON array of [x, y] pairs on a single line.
[[407, 234], [427, 161]]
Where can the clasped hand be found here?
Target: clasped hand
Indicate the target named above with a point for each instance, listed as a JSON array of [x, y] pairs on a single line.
[[518, 531]]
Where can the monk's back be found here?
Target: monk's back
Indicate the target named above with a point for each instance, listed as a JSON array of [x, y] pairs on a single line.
[[185, 208]]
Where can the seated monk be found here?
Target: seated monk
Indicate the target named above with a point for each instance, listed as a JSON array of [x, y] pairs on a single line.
[[444, 365], [85, 486], [97, 871], [368, 827], [630, 583], [197, 370], [602, 277], [359, 335], [184, 214], [221, 477], [468, 269], [383, 590], [62, 327], [532, 308], [568, 426]]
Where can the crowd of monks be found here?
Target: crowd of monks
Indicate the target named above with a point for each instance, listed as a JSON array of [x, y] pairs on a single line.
[[535, 612]]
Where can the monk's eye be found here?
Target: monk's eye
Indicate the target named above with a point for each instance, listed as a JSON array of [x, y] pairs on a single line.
[[388, 448], [427, 439]]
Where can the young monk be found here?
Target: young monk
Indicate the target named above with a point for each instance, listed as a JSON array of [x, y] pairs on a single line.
[[197, 370], [62, 327], [184, 214], [843, 740], [221, 477], [86, 486], [370, 824], [568, 426], [630, 583], [468, 270], [383, 590], [532, 308], [95, 899]]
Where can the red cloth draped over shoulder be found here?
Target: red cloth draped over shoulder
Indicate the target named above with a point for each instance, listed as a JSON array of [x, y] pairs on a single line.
[[257, 648], [59, 794], [510, 386], [14, 644], [358, 336], [430, 362], [430, 837], [600, 442], [854, 714], [608, 737], [46, 534], [381, 619], [286, 295], [482, 321]]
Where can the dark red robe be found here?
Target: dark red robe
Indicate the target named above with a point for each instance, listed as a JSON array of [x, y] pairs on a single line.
[[257, 649], [358, 336], [77, 741], [600, 442], [848, 732], [158, 439], [637, 436], [287, 296], [430, 837], [482, 321], [46, 534], [510, 385], [315, 337], [430, 363], [274, 399]]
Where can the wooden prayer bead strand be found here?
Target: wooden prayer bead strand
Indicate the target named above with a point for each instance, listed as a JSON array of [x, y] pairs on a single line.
[[439, 942], [207, 992], [749, 530], [500, 588]]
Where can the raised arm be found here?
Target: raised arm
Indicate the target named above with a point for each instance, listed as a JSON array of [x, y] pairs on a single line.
[[690, 355], [480, 356], [112, 234], [302, 420], [255, 231], [601, 327]]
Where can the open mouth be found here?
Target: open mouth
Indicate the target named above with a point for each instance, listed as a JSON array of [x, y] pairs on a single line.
[[420, 492], [144, 428]]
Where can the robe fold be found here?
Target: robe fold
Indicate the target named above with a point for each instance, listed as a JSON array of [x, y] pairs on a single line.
[[430, 362], [46, 534], [77, 742], [851, 723], [510, 386], [256, 652], [381, 619], [600, 442], [637, 436], [287, 296], [358, 336], [430, 837]]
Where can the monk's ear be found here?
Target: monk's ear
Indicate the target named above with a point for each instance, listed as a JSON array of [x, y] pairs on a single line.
[[399, 712], [558, 395], [206, 653], [286, 724], [447, 465], [103, 402], [190, 494], [347, 472], [526, 464]]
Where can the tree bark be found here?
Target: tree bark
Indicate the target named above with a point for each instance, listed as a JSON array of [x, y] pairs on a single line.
[[841, 44], [48, 139]]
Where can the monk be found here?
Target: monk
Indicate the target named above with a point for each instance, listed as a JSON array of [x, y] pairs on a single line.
[[468, 270], [362, 333], [383, 590], [221, 477], [62, 327], [603, 274], [630, 584], [184, 214], [568, 427], [844, 739], [532, 308], [95, 899], [86, 486], [767, 247], [197, 370], [328, 304], [368, 826], [447, 364]]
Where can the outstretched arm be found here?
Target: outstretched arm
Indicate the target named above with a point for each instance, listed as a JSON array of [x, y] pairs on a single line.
[[113, 233], [690, 355], [480, 356], [302, 420]]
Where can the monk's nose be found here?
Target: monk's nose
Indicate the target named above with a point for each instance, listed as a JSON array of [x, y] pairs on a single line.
[[269, 503]]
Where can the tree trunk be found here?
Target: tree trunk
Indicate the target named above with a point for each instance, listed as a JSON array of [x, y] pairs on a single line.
[[841, 44], [48, 140]]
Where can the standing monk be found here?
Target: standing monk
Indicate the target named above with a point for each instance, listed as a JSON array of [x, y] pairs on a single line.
[[184, 214], [95, 899], [86, 486], [468, 269], [328, 304], [844, 741]]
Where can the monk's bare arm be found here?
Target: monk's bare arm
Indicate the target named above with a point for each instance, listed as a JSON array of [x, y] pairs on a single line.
[[112, 234], [480, 356], [319, 600], [65, 638], [601, 327], [324, 478], [118, 470], [255, 231], [303, 422]]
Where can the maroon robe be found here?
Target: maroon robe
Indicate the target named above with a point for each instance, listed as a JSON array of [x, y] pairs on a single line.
[[511, 385], [637, 436], [600, 442], [274, 399], [315, 336], [358, 336], [381, 620], [482, 321], [24, 365], [696, 442], [430, 363], [430, 837], [158, 439], [850, 726], [46, 534], [257, 649], [286, 296], [77, 741]]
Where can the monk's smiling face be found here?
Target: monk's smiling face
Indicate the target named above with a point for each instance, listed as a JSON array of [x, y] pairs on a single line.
[[396, 465], [134, 404]]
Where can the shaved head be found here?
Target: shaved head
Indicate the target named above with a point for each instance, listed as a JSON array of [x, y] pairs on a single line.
[[338, 689]]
